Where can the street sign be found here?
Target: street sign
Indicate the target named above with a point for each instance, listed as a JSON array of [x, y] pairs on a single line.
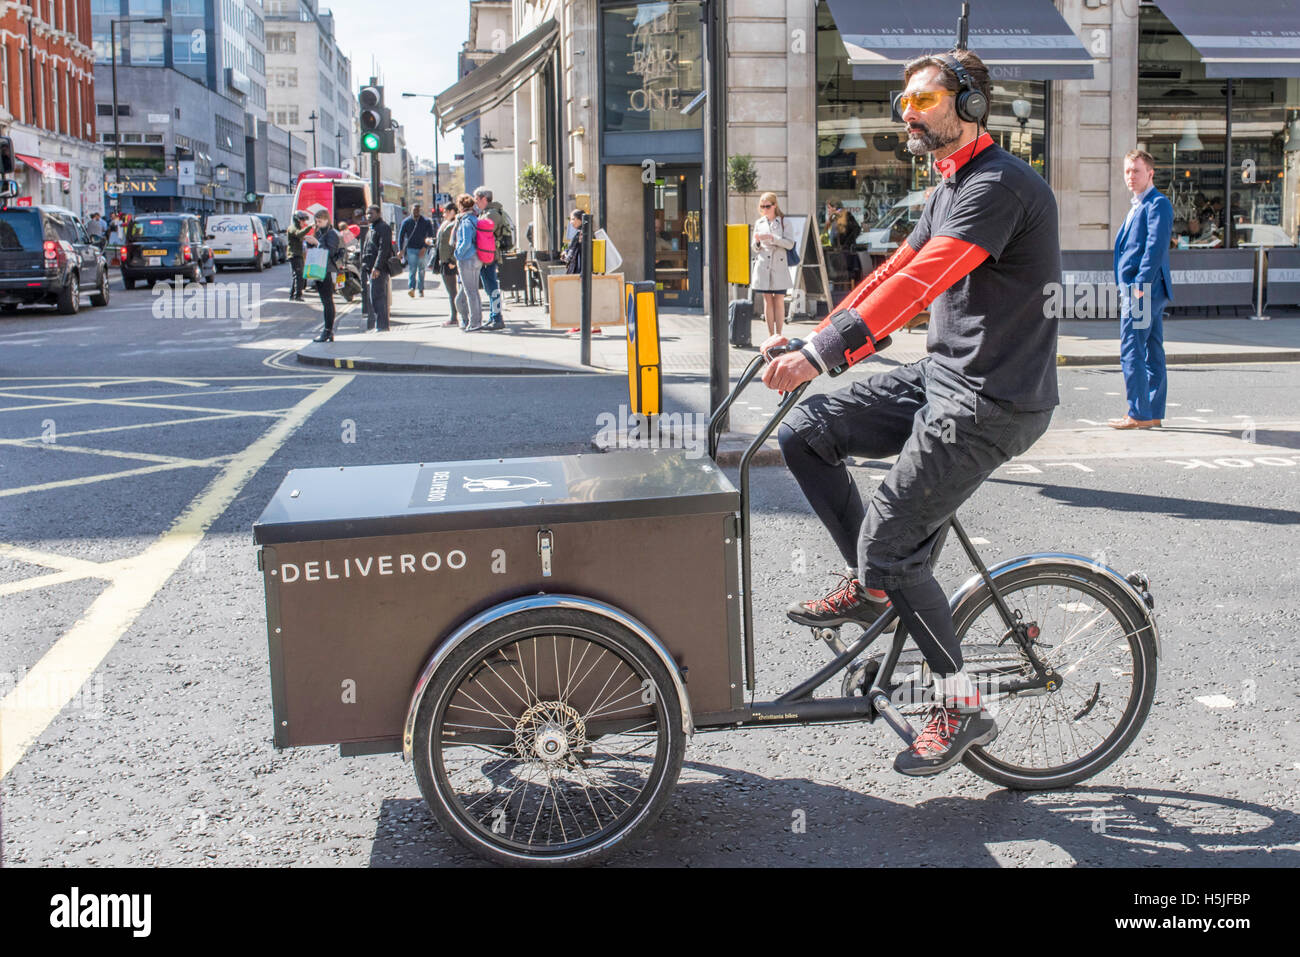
[[185, 174]]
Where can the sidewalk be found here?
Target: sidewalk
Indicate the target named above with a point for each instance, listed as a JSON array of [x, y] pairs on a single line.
[[420, 342]]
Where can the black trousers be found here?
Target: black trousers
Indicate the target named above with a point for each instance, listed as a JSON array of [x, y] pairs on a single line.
[[948, 440], [325, 288], [380, 301], [296, 283]]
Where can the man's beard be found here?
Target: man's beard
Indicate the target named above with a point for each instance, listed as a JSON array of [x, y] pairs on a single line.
[[928, 140]]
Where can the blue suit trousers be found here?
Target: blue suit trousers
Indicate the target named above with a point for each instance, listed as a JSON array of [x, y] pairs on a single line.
[[1142, 358]]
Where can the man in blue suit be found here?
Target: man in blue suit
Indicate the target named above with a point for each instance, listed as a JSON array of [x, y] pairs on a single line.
[[1146, 287]]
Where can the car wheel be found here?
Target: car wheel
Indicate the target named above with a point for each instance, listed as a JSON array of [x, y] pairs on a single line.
[[128, 283], [70, 296], [257, 264], [149, 283], [100, 298], [221, 268], [8, 308]]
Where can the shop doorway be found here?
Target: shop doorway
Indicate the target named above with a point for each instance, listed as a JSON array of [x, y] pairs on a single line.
[[674, 229]]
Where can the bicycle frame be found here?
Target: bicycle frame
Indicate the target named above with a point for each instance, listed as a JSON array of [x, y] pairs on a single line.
[[797, 706]]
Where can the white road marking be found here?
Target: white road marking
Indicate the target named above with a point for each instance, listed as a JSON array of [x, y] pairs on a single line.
[[1204, 410], [27, 710], [1089, 422], [979, 541], [1217, 701]]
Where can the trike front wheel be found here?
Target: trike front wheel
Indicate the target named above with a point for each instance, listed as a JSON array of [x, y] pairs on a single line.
[[1094, 640], [549, 737]]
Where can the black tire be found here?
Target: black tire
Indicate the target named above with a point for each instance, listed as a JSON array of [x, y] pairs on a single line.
[[220, 268], [210, 276], [8, 308], [150, 283], [101, 298], [257, 264], [128, 283], [497, 657], [70, 295], [1128, 694]]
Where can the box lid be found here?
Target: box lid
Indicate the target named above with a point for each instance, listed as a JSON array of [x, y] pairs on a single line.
[[355, 502]]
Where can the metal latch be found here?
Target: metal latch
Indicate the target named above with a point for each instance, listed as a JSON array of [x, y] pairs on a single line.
[[545, 544]]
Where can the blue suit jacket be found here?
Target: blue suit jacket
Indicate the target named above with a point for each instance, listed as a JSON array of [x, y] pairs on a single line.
[[1142, 246]]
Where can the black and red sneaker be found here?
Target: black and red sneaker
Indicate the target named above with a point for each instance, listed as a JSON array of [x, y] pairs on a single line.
[[948, 734], [848, 602]]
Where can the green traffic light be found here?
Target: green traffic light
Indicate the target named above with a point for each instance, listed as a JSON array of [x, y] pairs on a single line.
[[370, 142]]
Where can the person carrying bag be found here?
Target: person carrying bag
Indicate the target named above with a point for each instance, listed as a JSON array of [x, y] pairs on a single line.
[[772, 245], [323, 245]]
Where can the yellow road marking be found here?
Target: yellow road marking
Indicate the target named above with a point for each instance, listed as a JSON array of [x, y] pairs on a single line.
[[32, 556], [27, 710], [123, 428], [112, 453], [106, 476]]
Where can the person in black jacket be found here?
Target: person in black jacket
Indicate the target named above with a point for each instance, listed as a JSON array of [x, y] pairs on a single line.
[[325, 237], [414, 237], [374, 260]]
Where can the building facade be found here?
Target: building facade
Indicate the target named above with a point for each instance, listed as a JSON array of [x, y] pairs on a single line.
[[47, 103], [309, 81], [597, 90], [191, 105]]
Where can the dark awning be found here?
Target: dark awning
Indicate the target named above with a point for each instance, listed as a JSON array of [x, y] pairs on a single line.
[[496, 80], [1261, 39], [1016, 39]]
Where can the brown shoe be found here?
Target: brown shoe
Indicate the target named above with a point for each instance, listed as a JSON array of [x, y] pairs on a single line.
[[1128, 422]]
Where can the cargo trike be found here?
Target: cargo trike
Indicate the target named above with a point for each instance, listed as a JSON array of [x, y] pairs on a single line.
[[540, 636]]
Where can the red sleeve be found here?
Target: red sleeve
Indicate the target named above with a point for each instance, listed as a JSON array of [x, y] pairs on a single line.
[[902, 256], [936, 267]]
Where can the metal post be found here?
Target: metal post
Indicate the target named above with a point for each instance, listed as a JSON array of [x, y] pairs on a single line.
[[585, 239], [1227, 174], [117, 137], [715, 254], [1259, 283]]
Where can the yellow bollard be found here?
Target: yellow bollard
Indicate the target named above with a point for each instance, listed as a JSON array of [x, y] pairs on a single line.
[[738, 253], [598, 257], [643, 382]]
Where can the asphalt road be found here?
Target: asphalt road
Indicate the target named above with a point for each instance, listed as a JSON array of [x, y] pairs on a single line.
[[163, 755]]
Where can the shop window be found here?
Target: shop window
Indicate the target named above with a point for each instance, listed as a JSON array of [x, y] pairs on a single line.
[[653, 56]]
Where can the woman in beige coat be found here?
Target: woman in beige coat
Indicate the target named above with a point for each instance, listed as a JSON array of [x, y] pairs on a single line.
[[771, 272]]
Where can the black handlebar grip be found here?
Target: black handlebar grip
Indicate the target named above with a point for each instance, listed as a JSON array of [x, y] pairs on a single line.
[[793, 345]]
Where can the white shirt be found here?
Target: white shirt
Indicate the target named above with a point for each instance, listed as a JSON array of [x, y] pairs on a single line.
[[1136, 201]]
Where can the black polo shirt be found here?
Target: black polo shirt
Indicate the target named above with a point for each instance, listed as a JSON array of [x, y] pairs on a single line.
[[993, 327]]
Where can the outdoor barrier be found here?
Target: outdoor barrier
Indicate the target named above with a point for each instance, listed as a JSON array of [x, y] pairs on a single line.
[[1283, 277], [643, 373], [1204, 277]]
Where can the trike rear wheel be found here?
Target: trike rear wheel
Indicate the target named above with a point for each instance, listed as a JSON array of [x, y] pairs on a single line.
[[1095, 638], [549, 737]]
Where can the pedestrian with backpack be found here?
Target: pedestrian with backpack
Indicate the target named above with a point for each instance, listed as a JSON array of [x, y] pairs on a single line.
[[771, 272], [493, 223], [468, 264], [445, 255]]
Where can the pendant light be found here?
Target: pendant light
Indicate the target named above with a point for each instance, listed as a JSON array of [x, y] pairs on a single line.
[[1191, 139]]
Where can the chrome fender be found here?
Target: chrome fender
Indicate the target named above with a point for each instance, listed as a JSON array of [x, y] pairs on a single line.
[[531, 603], [975, 582]]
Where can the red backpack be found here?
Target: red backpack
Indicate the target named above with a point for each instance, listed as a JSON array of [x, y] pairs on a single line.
[[485, 240]]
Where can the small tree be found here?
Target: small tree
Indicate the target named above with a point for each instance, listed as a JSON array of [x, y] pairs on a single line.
[[537, 185], [742, 175]]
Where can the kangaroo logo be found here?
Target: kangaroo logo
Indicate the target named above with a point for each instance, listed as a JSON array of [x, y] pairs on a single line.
[[503, 483]]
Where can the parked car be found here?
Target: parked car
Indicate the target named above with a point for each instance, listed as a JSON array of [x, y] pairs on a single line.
[[279, 237], [46, 257], [239, 239], [166, 246]]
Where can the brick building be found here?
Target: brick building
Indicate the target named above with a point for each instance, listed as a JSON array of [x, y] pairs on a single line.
[[47, 103]]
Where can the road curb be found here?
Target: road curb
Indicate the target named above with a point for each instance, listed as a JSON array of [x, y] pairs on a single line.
[[1195, 358], [379, 365]]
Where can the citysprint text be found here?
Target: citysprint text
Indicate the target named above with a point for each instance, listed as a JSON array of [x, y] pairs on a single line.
[[1096, 300], [639, 430], [218, 300], [76, 909]]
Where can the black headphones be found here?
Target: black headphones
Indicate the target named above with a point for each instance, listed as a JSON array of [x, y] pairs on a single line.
[[972, 105]]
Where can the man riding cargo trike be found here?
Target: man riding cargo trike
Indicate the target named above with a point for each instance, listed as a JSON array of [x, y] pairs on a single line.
[[540, 636]]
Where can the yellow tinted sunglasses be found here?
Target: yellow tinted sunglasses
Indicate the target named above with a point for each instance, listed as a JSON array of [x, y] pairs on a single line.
[[921, 102]]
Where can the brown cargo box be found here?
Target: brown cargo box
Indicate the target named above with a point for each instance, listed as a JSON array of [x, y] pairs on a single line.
[[367, 569]]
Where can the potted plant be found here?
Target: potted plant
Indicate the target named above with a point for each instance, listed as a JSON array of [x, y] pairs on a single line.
[[537, 185], [742, 174]]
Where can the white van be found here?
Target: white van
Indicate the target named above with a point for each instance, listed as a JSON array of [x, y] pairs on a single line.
[[239, 239]]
